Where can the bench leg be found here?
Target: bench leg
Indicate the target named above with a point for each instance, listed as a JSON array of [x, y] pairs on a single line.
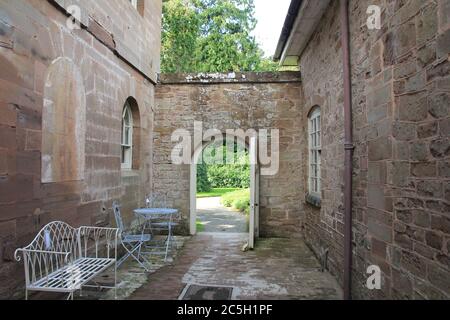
[[115, 281]]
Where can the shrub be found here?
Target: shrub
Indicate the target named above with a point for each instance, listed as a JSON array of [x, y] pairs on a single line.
[[220, 175], [229, 176], [238, 200], [242, 205]]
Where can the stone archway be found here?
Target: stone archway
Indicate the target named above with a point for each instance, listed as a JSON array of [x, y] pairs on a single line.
[[246, 101], [193, 176]]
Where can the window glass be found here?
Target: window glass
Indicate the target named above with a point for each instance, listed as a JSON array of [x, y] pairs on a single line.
[[314, 131], [127, 137]]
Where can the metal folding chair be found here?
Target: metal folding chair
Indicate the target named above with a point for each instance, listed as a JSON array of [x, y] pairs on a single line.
[[132, 243]]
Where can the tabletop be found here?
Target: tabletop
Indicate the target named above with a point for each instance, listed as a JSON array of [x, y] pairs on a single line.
[[154, 211]]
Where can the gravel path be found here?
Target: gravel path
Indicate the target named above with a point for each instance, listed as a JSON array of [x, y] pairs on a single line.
[[216, 218]]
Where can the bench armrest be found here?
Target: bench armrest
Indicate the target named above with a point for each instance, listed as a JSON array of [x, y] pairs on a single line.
[[18, 257], [97, 237]]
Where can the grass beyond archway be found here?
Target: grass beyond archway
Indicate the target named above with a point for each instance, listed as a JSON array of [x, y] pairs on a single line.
[[216, 192]]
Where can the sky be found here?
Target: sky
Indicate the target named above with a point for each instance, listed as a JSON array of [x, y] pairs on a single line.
[[270, 15]]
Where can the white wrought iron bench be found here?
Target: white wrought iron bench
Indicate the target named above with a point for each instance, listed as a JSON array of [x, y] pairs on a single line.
[[64, 259]]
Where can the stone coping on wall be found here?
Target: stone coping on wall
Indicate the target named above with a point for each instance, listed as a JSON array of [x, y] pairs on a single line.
[[232, 77]]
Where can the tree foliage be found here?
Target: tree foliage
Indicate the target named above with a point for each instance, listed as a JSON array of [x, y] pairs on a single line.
[[203, 183], [211, 36], [229, 176], [223, 175]]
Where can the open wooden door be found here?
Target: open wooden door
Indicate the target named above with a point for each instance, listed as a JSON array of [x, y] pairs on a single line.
[[254, 193]]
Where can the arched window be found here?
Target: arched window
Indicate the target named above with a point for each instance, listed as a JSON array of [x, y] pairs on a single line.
[[315, 149], [127, 137]]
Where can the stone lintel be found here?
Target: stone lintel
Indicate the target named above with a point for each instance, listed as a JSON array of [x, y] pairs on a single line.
[[232, 77]]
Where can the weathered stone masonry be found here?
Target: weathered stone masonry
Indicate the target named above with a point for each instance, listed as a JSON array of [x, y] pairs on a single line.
[[51, 75], [62, 94], [401, 95], [239, 101]]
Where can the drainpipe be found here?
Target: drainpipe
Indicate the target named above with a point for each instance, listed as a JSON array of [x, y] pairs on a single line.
[[345, 39]]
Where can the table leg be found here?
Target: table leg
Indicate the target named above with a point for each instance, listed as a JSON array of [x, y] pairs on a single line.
[[169, 237]]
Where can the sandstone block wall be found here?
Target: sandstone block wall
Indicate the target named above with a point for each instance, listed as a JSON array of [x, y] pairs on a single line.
[[401, 94], [134, 34], [34, 38], [243, 101]]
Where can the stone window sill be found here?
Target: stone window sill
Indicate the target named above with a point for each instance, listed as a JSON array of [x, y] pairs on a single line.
[[125, 173], [313, 200]]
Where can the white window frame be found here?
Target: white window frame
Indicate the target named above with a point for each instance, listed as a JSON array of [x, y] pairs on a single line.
[[314, 151], [134, 3], [127, 145]]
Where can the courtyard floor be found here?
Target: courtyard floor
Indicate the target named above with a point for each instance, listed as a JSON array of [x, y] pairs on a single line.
[[276, 269]]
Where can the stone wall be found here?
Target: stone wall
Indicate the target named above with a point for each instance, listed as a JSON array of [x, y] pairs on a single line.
[[44, 70], [133, 34], [236, 101], [401, 94], [322, 70]]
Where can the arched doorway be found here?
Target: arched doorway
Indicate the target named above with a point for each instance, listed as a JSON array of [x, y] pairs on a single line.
[[251, 145]]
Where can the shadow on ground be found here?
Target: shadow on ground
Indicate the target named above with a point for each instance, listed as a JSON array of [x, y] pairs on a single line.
[[276, 269], [216, 218]]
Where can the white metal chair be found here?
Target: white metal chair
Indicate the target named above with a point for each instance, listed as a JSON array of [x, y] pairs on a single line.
[[132, 243]]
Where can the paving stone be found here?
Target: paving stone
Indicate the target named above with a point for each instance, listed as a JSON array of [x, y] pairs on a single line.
[[216, 259], [419, 151], [440, 148], [423, 169], [427, 130], [439, 105], [443, 44], [427, 23]]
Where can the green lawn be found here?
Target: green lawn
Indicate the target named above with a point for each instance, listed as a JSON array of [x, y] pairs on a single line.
[[218, 192], [200, 227]]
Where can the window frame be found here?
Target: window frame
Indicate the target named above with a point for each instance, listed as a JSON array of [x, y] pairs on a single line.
[[127, 145], [315, 152]]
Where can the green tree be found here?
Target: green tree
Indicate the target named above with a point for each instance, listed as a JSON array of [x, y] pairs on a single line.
[[211, 36], [203, 184], [225, 43], [267, 64], [180, 31]]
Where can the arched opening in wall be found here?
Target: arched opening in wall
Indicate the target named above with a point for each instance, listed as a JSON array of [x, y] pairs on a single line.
[[130, 135], [63, 123], [224, 187]]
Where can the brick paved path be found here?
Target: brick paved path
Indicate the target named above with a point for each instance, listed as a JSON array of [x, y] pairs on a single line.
[[276, 269]]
